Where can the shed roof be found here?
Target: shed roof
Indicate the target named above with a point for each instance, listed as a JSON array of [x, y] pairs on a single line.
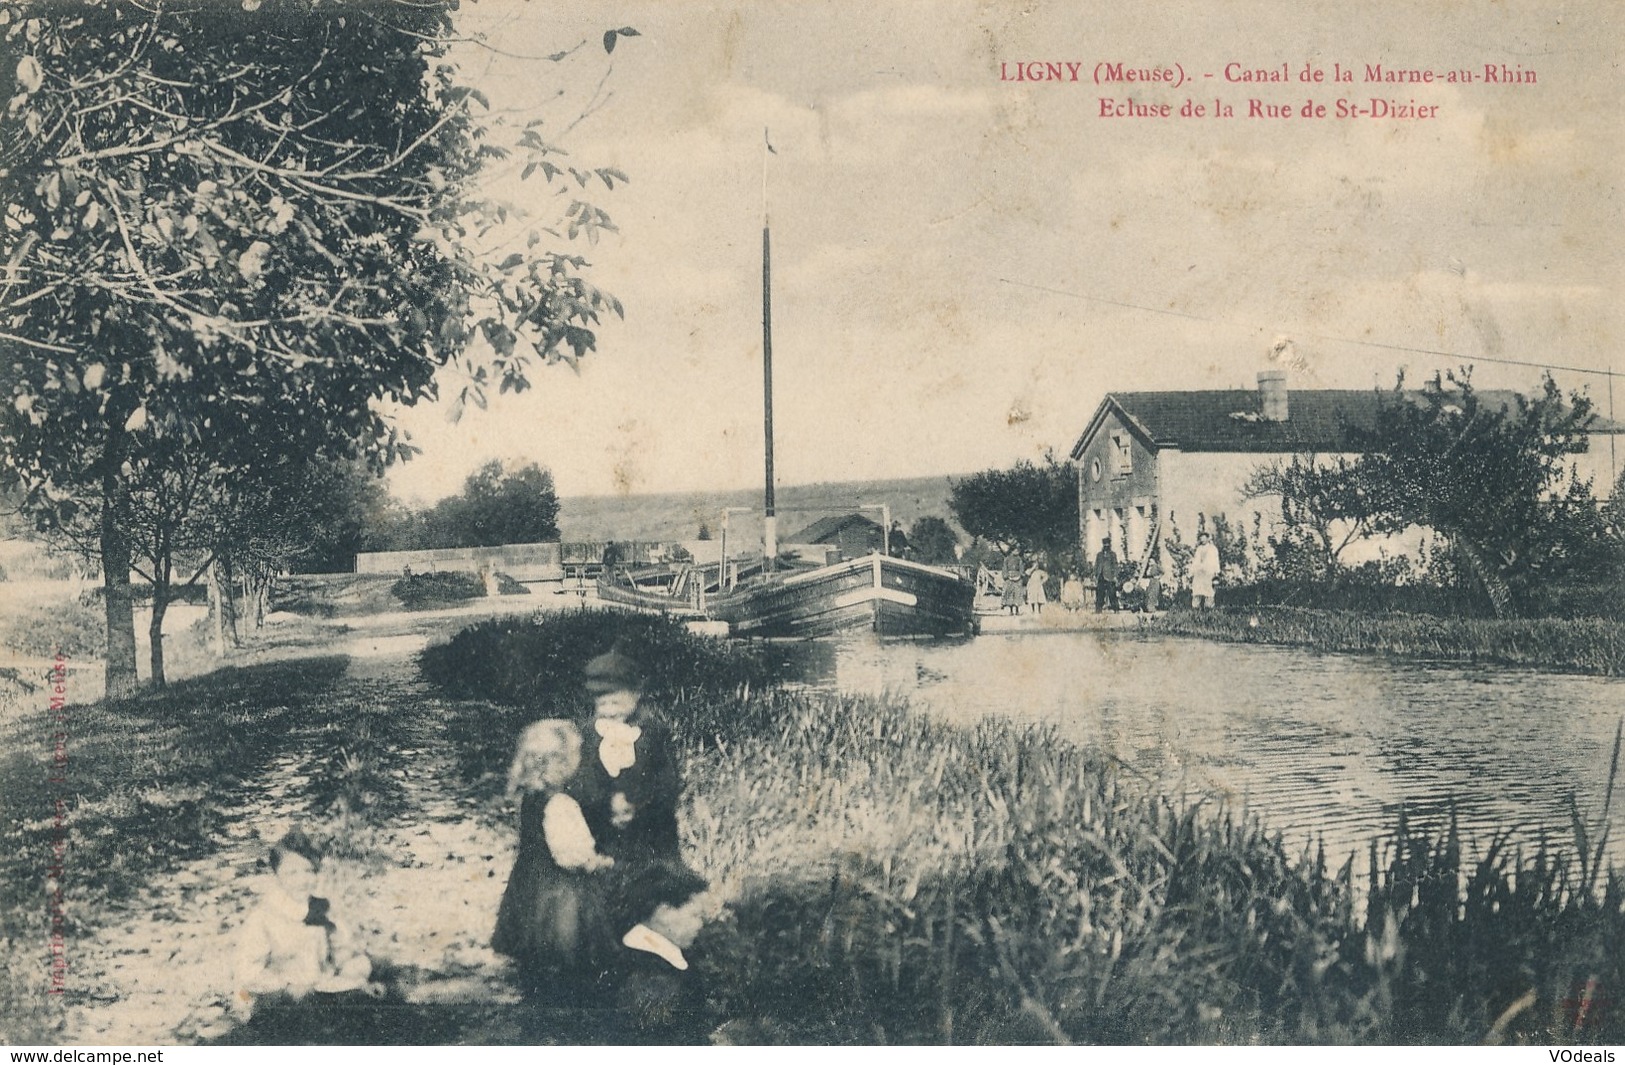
[[1229, 420], [825, 529]]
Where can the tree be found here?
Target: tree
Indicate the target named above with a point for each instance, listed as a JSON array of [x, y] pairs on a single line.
[[1324, 507], [1029, 507], [395, 526], [309, 515], [232, 232], [1497, 482], [932, 540], [497, 508]]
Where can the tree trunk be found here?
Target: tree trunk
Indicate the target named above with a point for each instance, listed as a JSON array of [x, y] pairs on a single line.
[[155, 632], [217, 612], [1495, 587], [258, 586], [120, 675]]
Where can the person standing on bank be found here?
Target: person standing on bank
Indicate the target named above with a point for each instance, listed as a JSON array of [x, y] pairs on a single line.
[[1153, 584], [1106, 577], [1204, 571], [1037, 595], [1014, 596]]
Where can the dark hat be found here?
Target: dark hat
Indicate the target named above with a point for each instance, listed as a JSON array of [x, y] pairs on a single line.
[[666, 882], [613, 672]]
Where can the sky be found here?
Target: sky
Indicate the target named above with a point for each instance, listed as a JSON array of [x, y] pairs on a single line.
[[964, 263]]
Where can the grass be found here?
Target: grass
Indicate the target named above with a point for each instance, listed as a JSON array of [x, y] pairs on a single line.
[[890, 878], [39, 630], [1593, 646]]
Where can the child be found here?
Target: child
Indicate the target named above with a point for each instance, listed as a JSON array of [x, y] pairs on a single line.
[[1072, 592], [553, 920], [629, 782], [292, 944], [548, 755], [656, 990]]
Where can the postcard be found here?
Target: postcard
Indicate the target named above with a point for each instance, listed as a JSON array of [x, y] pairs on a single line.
[[811, 523]]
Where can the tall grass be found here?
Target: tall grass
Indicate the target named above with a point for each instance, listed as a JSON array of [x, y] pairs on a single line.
[[895, 879], [1581, 645], [891, 878]]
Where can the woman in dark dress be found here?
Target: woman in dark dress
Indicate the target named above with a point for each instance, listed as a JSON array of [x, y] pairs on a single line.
[[629, 785]]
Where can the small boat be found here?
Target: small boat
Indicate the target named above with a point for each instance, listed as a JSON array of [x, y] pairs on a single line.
[[672, 590]]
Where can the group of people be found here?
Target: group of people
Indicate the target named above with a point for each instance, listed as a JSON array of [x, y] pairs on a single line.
[[599, 908], [1112, 576], [1025, 587]]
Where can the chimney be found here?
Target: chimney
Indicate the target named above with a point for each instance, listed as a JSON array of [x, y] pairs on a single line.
[[1272, 395]]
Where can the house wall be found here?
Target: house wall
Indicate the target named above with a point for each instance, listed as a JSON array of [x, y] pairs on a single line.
[[1117, 490], [1600, 464], [856, 540], [1210, 483]]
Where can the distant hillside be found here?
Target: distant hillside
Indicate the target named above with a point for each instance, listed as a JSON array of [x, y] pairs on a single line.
[[678, 515]]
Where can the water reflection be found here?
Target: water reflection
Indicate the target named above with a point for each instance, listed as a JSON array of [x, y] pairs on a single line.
[[1320, 746]]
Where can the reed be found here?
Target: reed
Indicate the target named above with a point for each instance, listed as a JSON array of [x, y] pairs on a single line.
[[894, 879], [1593, 646]]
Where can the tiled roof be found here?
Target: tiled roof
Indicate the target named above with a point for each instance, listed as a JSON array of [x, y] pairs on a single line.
[[1228, 420]]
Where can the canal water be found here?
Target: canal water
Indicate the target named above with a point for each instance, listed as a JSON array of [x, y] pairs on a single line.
[[1321, 747]]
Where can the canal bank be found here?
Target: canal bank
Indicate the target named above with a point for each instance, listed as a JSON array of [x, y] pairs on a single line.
[[1593, 646]]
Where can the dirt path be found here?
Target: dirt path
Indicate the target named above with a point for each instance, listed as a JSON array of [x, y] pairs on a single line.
[[420, 876]]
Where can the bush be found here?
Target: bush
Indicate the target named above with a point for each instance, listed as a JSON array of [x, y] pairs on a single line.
[[423, 590], [531, 668]]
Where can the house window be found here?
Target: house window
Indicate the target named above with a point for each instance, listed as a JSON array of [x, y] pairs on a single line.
[[1124, 453]]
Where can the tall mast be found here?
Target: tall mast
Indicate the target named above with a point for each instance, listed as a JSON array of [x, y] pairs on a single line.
[[770, 544]]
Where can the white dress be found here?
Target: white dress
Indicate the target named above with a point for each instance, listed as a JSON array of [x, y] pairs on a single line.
[[1204, 568]]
